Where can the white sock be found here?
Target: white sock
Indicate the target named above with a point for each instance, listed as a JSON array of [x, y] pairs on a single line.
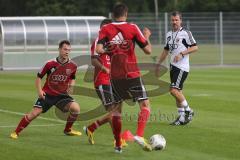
[[185, 105], [181, 113]]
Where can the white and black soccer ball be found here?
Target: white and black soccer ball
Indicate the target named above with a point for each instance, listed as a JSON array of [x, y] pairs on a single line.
[[158, 142]]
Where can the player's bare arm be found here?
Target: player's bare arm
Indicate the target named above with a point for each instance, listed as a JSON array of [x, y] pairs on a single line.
[[162, 57], [41, 93], [71, 85], [190, 50], [100, 49], [147, 33], [182, 54], [95, 62]]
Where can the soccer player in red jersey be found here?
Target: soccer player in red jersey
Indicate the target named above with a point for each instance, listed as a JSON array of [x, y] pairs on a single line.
[[120, 37], [101, 84], [103, 87], [60, 78]]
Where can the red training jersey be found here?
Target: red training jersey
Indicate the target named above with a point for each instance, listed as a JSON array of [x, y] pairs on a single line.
[[100, 77], [120, 38], [58, 76]]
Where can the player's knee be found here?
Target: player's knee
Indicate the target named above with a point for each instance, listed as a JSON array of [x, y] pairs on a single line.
[[144, 104], [74, 108], [109, 117], [116, 113], [109, 107], [116, 108], [174, 91], [34, 113]]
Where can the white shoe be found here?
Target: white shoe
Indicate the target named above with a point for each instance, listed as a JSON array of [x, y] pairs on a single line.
[[118, 150], [143, 143]]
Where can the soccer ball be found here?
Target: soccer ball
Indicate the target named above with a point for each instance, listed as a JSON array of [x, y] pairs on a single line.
[[158, 142]]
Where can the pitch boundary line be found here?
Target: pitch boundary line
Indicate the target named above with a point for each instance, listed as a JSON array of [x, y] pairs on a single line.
[[39, 117], [32, 125]]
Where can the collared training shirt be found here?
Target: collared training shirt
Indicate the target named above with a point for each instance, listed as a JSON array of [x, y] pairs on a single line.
[[177, 42]]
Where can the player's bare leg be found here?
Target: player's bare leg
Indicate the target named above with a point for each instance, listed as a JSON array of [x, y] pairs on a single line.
[[184, 111], [25, 121], [143, 117], [74, 111]]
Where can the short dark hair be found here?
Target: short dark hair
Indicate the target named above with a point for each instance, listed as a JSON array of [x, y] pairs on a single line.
[[64, 42], [119, 10], [177, 13], [105, 21]]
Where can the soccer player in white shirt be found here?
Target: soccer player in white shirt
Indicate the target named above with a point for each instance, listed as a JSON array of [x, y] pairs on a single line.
[[179, 44]]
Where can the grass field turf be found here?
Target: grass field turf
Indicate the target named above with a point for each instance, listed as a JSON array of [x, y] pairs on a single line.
[[213, 135]]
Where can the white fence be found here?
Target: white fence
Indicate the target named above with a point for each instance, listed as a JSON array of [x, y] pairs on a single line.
[[217, 33], [27, 42]]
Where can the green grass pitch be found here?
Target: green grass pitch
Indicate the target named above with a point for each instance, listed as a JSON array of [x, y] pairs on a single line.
[[214, 133]]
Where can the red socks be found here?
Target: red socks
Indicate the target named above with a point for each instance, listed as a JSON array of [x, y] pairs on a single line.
[[98, 123], [142, 120], [22, 124], [117, 127], [25, 121], [70, 120]]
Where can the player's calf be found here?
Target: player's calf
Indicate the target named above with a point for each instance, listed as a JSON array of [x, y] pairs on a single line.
[[25, 121]]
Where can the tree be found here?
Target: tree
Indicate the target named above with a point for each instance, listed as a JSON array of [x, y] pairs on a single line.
[[103, 7]]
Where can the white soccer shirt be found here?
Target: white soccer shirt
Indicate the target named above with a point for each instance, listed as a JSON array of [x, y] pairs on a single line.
[[177, 42]]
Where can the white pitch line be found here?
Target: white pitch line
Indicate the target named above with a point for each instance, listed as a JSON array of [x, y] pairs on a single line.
[[202, 95], [39, 125], [39, 117]]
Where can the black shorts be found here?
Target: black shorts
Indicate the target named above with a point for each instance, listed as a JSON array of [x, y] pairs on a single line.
[[59, 101], [177, 77], [105, 94], [124, 89]]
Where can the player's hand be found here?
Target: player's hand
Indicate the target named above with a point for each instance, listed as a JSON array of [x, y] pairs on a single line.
[[41, 94], [178, 57], [106, 70], [146, 32]]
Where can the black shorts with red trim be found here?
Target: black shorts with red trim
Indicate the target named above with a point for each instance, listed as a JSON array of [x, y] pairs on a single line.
[[124, 89], [105, 94], [177, 77], [60, 101]]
